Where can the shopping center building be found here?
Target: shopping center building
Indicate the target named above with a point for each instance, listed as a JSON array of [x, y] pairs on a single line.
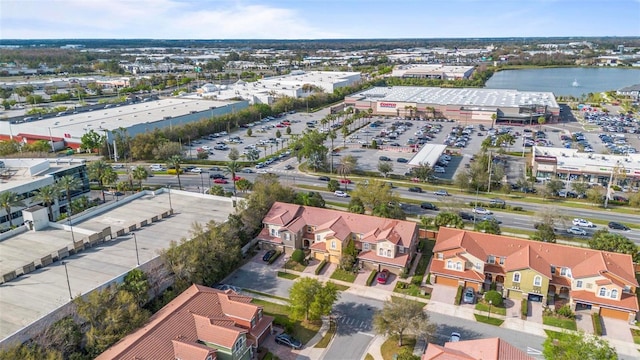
[[466, 105]]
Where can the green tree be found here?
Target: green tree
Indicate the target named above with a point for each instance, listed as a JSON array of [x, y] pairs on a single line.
[[48, 195], [8, 200], [109, 177], [488, 226], [385, 167], [216, 190], [311, 198], [249, 132], [137, 284], [310, 146], [604, 240], [267, 189], [63, 336], [356, 206], [309, 299], [140, 174], [175, 162], [96, 171], [596, 195], [423, 172], [288, 131], [347, 165], [333, 185], [332, 136], [541, 121], [400, 316], [234, 154], [163, 150], [9, 147], [41, 146], [389, 210], [554, 186], [244, 185], [233, 167], [91, 141], [69, 183], [545, 233], [579, 187], [578, 346], [374, 193], [448, 219]]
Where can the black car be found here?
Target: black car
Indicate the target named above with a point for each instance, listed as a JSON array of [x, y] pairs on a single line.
[[268, 255], [428, 206], [384, 158], [288, 340], [618, 226], [415, 189], [217, 176], [402, 160], [466, 216], [324, 178]]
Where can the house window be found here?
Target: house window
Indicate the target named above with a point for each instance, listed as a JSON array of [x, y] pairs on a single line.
[[502, 261], [440, 256], [333, 244], [563, 271], [492, 259], [238, 345], [309, 229], [603, 292], [287, 236], [365, 246], [459, 266], [614, 293], [388, 253], [380, 251], [579, 284], [401, 249], [516, 277], [450, 264], [537, 280], [553, 269], [318, 237], [209, 357]]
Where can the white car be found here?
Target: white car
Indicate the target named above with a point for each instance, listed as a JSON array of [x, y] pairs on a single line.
[[577, 231], [339, 193], [481, 211], [196, 170], [583, 223], [261, 171]]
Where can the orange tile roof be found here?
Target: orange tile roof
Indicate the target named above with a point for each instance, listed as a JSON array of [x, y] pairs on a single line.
[[582, 261], [560, 280], [190, 350], [399, 260], [626, 302], [527, 258], [265, 236], [480, 349], [438, 267], [399, 232], [494, 268], [321, 246], [199, 313]]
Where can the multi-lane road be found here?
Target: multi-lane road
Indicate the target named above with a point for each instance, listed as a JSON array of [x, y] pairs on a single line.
[[196, 182]]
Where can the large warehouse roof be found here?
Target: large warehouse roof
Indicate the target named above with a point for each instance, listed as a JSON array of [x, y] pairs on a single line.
[[453, 96]]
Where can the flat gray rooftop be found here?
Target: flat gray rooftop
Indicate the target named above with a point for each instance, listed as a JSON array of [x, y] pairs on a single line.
[[34, 295], [469, 97]]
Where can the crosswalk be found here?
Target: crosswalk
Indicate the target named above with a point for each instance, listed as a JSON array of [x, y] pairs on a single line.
[[360, 326]]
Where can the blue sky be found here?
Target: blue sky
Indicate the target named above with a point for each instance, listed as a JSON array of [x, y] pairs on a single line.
[[316, 19]]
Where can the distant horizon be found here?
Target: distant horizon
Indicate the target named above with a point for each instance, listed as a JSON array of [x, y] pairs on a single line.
[[315, 19]]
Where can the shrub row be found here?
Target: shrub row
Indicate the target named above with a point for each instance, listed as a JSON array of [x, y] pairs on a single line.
[[524, 309], [371, 277], [597, 324], [495, 206], [274, 257], [320, 267], [459, 295]]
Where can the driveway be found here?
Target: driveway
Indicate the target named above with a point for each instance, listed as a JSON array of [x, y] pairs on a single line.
[[282, 352], [583, 321], [616, 329], [513, 308], [260, 276], [534, 311], [444, 294]]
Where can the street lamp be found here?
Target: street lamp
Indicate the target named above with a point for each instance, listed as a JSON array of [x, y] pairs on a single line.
[[170, 207], [71, 228], [202, 182], [135, 241], [489, 314], [68, 283]]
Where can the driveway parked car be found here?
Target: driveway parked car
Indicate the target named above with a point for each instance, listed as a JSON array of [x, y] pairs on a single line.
[[415, 189], [469, 296], [618, 226], [339, 193], [383, 276], [428, 206], [441, 193], [574, 230], [267, 256], [455, 337], [582, 222], [288, 340]]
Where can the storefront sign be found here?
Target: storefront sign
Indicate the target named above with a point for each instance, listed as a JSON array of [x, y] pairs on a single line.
[[387, 105]]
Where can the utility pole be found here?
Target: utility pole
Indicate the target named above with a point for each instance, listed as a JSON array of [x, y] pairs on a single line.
[[490, 162]]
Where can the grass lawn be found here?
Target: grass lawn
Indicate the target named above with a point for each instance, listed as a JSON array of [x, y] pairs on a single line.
[[368, 357], [340, 287], [265, 294], [294, 265], [324, 342], [302, 330], [636, 336], [343, 275], [494, 309], [390, 346], [421, 303], [289, 276], [490, 321], [568, 324], [411, 289]]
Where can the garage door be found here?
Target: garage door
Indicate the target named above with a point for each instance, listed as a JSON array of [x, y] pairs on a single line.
[[318, 256], [616, 314], [446, 281], [474, 286]]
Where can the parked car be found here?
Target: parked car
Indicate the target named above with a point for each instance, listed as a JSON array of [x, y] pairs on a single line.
[[441, 193], [582, 222], [324, 178], [288, 167], [384, 158], [428, 206], [402, 160], [268, 255], [574, 230], [415, 189], [247, 170], [469, 296], [455, 337], [339, 193], [481, 211], [618, 226], [383, 276], [288, 340]]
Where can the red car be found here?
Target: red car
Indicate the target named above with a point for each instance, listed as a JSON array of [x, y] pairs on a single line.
[[383, 276], [237, 178], [220, 181], [345, 181]]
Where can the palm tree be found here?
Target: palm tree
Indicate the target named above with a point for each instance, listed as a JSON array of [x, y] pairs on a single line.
[[96, 171], [140, 174], [48, 195], [69, 183], [332, 135], [346, 166], [174, 162], [109, 177], [8, 200], [233, 167]]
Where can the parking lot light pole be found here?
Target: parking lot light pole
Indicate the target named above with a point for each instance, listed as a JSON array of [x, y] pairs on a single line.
[[71, 229], [135, 241], [170, 207], [489, 314], [68, 283]]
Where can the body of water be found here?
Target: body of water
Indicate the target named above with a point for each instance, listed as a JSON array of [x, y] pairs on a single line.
[[565, 81]]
